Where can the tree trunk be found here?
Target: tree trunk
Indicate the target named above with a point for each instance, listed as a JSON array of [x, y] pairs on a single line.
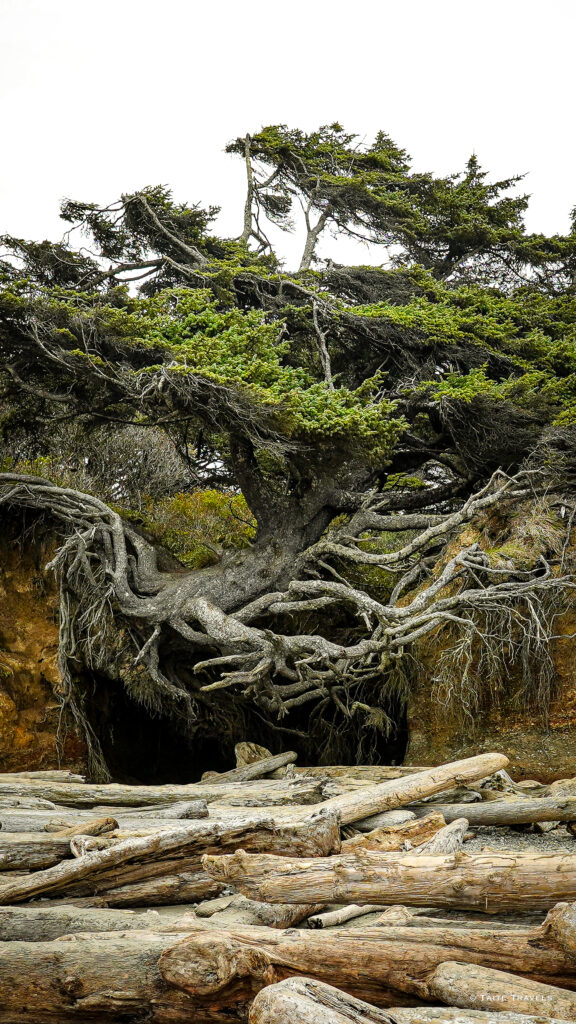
[[249, 201], [490, 882], [304, 1001], [383, 966]]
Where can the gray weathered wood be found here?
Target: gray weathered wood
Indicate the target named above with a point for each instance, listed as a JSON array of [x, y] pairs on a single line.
[[47, 775], [387, 796], [305, 1001], [383, 966], [255, 770], [505, 812], [492, 881], [477, 988], [257, 793], [186, 842], [31, 851], [235, 911], [43, 924]]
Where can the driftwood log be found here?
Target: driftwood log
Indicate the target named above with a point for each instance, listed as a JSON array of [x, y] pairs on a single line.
[[43, 924], [359, 772], [254, 770], [212, 976], [385, 966], [104, 977], [505, 812], [166, 852], [491, 882], [393, 837], [31, 851], [47, 775], [304, 1001], [257, 793], [63, 818], [235, 910], [334, 918], [387, 796], [95, 827], [475, 988], [164, 890]]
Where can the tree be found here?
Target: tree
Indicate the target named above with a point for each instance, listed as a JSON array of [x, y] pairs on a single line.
[[363, 415]]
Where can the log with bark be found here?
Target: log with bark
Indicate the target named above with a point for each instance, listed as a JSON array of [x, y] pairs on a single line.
[[490, 881], [305, 1001]]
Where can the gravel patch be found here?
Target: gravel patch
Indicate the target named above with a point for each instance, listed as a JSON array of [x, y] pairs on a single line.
[[499, 837]]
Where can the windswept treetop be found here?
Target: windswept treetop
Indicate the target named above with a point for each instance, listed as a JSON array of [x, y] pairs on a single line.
[[364, 414]]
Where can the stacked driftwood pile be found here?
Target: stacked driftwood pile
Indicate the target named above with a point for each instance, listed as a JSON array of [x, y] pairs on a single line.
[[285, 895]]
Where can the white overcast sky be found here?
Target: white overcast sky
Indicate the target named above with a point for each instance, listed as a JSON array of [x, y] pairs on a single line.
[[104, 97]]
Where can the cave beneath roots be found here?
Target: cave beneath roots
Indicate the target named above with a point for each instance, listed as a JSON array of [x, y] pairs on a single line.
[[141, 746]]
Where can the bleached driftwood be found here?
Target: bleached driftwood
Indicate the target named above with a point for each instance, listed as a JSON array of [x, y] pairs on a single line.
[[257, 793], [305, 1001], [393, 837], [186, 843], [382, 966], [505, 812], [488, 881], [478, 988]]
